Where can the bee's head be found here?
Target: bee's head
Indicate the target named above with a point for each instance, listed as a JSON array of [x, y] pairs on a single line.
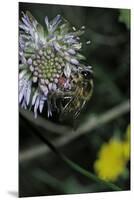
[[87, 74]]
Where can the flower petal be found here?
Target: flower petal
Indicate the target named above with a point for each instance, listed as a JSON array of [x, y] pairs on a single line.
[[21, 93], [67, 70], [28, 93], [72, 51], [36, 106], [34, 97], [74, 61], [47, 22], [41, 104]]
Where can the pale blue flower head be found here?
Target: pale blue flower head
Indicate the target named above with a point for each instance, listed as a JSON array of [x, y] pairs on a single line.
[[49, 59]]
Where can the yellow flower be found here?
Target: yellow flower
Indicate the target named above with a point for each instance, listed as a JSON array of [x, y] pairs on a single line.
[[126, 149], [111, 161], [126, 144]]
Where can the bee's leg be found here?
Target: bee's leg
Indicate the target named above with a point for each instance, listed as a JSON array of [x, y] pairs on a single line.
[[55, 98], [60, 109], [54, 102], [61, 96], [59, 102]]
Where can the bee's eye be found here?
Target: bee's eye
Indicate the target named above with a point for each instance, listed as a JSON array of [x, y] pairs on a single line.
[[87, 74]]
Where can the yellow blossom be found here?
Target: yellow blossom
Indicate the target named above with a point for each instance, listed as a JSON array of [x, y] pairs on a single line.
[[126, 144], [111, 161], [126, 149]]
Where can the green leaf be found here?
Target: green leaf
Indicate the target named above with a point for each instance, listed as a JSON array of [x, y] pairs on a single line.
[[90, 175], [125, 17]]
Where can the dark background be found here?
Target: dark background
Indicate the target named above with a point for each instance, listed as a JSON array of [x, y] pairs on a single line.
[[109, 55]]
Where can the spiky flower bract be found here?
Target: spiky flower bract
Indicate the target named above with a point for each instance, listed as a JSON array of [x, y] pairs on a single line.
[[49, 60]]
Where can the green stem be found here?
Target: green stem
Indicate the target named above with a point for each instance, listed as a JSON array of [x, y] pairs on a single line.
[[73, 165], [90, 175]]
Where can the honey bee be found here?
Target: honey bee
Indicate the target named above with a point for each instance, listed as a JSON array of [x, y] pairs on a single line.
[[82, 92]]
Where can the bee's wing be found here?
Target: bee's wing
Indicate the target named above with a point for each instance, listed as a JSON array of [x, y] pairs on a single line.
[[84, 100], [77, 112], [70, 110], [74, 106], [66, 110]]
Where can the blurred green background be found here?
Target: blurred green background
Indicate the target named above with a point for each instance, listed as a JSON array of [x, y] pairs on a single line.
[[109, 54]]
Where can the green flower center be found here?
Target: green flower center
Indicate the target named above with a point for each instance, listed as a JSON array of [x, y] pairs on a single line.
[[47, 66]]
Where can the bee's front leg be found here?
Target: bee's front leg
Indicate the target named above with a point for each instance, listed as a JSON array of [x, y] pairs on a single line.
[[55, 103]]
